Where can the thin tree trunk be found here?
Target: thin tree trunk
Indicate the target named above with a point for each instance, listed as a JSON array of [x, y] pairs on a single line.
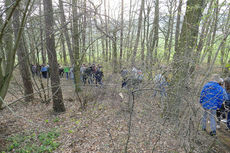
[[156, 27], [143, 44], [121, 36], [106, 29], [166, 45], [178, 25], [76, 48], [5, 78], [114, 43], [43, 52], [138, 33], [63, 49], [129, 31], [65, 30], [215, 22], [58, 104], [23, 62], [203, 34]]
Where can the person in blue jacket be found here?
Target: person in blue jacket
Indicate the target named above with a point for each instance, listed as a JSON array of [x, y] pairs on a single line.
[[211, 98], [227, 102], [44, 70]]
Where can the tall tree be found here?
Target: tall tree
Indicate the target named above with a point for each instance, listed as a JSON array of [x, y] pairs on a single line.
[[76, 47], [43, 52], [106, 29], [7, 70], [156, 27], [138, 33], [22, 58], [214, 28], [58, 104], [182, 60], [65, 31], [121, 36], [114, 57], [178, 24]]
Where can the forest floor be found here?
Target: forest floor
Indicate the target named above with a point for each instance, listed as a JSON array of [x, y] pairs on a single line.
[[102, 127]]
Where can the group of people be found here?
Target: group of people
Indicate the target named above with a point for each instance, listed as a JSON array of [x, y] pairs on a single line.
[[131, 78], [88, 74], [67, 70], [91, 74], [215, 99], [40, 70]]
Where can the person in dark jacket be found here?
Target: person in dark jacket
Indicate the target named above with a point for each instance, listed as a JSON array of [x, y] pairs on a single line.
[[88, 75], [99, 75], [227, 102], [211, 98], [44, 70]]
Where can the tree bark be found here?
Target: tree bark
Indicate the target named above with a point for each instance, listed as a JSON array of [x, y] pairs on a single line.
[[43, 52], [22, 59], [114, 43], [58, 104], [76, 48], [178, 25], [183, 56], [138, 33], [65, 30], [121, 36]]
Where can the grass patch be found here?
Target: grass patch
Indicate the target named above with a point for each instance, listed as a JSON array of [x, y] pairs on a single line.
[[42, 142]]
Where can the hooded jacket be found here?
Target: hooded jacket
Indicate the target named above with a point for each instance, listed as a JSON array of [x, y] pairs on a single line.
[[212, 96]]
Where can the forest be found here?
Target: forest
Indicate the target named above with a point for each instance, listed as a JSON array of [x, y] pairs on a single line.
[[114, 76]]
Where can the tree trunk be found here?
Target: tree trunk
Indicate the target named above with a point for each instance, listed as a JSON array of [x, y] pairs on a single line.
[[129, 31], [58, 104], [121, 36], [10, 59], [65, 30], [43, 52], [76, 48], [22, 59], [138, 33], [166, 45], [114, 43], [63, 49], [156, 27], [178, 25], [215, 22], [143, 43], [106, 29], [183, 56]]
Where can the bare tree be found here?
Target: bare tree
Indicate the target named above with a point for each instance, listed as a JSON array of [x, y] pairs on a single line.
[[22, 58], [65, 31], [121, 35], [138, 33], [6, 70], [58, 104], [183, 56], [76, 47]]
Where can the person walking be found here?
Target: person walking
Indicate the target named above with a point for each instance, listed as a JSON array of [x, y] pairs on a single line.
[[211, 98], [66, 71], [44, 70], [227, 102]]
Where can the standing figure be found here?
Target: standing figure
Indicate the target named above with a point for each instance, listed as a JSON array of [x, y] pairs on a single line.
[[44, 71], [66, 71], [71, 73], [99, 75], [82, 70], [211, 98], [33, 70], [227, 102]]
